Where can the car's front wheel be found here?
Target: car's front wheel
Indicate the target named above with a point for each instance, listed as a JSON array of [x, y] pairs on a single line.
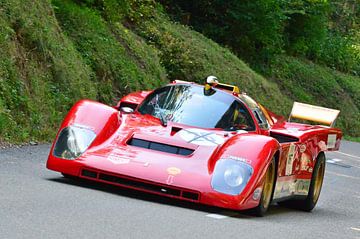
[[267, 191]]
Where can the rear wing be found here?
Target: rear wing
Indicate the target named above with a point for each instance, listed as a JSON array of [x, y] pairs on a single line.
[[314, 113]]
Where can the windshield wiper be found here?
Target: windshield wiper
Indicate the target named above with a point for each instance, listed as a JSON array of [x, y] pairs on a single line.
[[162, 120], [159, 111]]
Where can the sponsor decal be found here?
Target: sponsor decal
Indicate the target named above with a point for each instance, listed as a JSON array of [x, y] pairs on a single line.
[[283, 189], [170, 179], [84, 126], [116, 158], [290, 159], [305, 162], [302, 187], [302, 148], [291, 187], [331, 141], [257, 194], [201, 137], [322, 145], [244, 160]]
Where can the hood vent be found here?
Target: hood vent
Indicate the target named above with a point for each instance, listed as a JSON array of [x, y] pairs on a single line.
[[160, 147], [174, 130]]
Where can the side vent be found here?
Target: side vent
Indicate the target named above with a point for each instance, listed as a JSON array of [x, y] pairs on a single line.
[[283, 138], [128, 104]]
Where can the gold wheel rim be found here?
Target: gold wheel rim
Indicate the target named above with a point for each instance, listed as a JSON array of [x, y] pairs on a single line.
[[318, 182], [268, 185]]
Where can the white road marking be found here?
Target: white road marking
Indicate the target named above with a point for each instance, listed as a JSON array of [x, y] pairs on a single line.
[[350, 155], [333, 160], [222, 215], [216, 216], [343, 175], [337, 161], [355, 228]]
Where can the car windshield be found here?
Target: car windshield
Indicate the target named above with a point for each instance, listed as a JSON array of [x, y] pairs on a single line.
[[187, 104]]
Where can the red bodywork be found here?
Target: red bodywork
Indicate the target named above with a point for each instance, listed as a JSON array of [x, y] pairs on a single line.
[[110, 159]]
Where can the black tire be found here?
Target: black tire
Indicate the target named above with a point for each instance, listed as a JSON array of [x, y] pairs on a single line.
[[268, 190], [317, 179]]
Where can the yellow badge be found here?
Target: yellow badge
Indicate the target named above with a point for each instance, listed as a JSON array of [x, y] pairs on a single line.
[[173, 171]]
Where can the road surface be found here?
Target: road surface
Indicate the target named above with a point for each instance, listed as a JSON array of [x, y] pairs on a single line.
[[38, 203]]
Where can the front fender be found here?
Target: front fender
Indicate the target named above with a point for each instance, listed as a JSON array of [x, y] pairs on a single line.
[[256, 150], [102, 119]]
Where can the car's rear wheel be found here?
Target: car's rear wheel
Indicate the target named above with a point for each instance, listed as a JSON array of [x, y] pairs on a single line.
[[315, 188], [267, 191]]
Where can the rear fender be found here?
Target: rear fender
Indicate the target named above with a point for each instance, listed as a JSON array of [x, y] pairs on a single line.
[[132, 100]]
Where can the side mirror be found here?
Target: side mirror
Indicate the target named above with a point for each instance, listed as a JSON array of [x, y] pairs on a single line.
[[127, 110]]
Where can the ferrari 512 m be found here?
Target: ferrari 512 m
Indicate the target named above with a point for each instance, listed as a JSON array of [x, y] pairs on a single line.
[[208, 144]]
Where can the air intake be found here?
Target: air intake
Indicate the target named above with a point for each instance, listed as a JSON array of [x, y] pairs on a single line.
[[141, 185], [160, 147]]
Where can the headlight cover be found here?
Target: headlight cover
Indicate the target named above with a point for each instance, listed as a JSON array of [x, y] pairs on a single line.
[[231, 176], [73, 141]]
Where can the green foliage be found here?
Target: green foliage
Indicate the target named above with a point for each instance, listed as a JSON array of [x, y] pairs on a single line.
[[116, 10], [251, 28], [309, 83], [188, 55], [43, 72], [105, 51], [323, 31], [345, 16], [52, 54], [320, 30], [340, 53], [306, 26]]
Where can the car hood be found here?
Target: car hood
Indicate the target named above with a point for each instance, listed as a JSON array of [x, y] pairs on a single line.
[[159, 151]]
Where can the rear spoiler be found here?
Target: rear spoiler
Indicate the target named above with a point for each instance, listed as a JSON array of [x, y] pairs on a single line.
[[314, 113]]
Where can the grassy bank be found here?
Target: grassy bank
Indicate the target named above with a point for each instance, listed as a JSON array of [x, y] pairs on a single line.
[[54, 53]]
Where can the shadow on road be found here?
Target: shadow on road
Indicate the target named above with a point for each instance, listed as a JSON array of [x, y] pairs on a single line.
[[134, 194]]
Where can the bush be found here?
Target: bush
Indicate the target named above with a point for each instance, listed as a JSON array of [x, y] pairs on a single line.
[[252, 29]]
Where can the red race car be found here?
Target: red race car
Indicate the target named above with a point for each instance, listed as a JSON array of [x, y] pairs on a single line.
[[207, 144]]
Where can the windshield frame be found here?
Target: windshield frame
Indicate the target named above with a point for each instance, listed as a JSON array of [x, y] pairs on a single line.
[[253, 124]]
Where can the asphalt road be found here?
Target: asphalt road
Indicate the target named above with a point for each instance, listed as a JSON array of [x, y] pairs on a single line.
[[38, 203]]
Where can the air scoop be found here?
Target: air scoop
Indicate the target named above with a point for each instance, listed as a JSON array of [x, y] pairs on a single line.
[[162, 144], [174, 130]]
